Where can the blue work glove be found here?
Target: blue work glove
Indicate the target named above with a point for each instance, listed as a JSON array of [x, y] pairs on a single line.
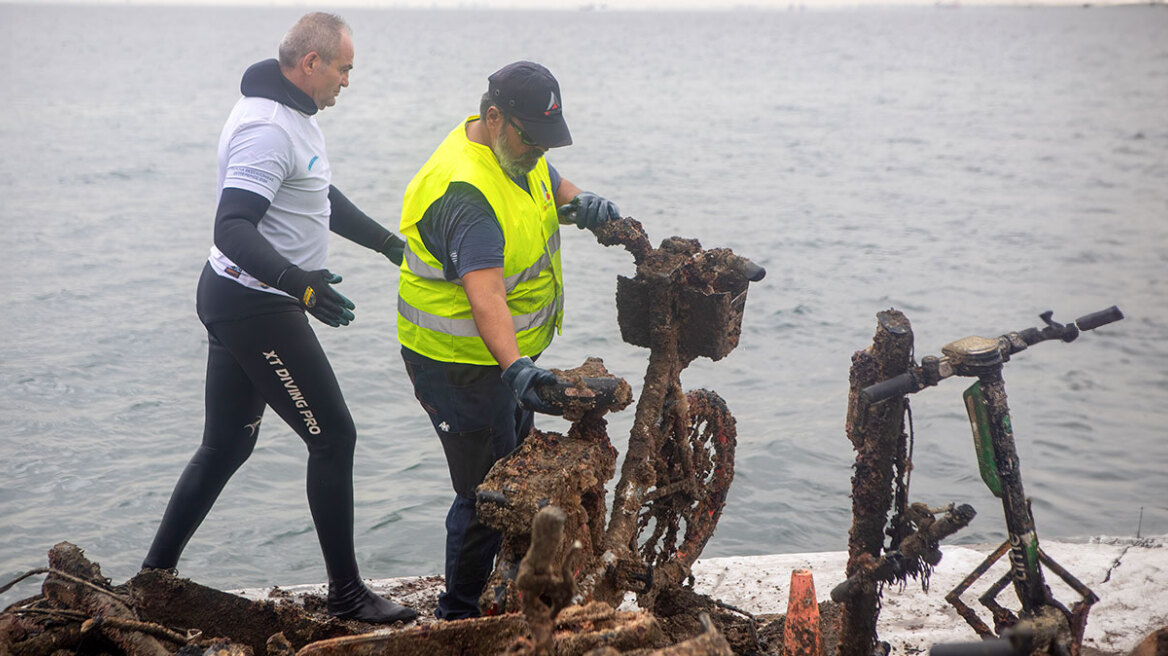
[[590, 210], [522, 377], [393, 248], [313, 292]]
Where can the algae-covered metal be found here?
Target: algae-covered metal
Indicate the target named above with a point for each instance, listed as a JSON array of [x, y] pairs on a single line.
[[684, 302]]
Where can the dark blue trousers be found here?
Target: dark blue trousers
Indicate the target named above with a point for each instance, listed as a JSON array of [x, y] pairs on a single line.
[[478, 421]]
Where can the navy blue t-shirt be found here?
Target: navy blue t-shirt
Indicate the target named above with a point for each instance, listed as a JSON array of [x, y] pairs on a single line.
[[460, 228]]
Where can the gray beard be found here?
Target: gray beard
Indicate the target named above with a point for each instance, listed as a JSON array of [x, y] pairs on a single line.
[[512, 166]]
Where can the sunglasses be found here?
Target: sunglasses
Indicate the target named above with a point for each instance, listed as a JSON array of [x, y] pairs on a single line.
[[523, 136]]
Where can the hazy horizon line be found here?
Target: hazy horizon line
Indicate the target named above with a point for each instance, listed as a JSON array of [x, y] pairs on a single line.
[[620, 6]]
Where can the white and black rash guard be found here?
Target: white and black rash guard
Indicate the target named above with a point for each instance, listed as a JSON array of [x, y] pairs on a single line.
[[276, 202], [275, 150]]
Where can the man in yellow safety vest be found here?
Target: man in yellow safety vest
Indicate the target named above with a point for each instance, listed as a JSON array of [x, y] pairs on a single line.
[[481, 294]]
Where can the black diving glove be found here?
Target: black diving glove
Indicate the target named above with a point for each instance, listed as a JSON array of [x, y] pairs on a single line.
[[313, 291], [522, 377], [590, 210], [393, 248]]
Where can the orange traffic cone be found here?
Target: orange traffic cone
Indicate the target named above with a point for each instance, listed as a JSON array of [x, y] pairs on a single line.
[[801, 635]]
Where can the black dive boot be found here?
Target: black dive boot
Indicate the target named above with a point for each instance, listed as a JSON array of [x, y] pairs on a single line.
[[351, 600]]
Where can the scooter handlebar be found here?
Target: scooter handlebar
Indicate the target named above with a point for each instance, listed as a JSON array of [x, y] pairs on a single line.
[[1100, 318], [910, 382]]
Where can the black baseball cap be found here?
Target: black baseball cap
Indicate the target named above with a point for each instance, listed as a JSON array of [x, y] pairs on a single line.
[[528, 92]]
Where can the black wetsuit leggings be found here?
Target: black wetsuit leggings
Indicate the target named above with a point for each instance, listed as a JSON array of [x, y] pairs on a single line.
[[274, 360]]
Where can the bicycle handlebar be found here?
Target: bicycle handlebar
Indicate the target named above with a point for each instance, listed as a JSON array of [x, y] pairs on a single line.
[[747, 269], [588, 393], [934, 369], [901, 385]]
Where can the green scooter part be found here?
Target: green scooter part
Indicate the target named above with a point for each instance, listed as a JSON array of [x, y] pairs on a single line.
[[983, 444]]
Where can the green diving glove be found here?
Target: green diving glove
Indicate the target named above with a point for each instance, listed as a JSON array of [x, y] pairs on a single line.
[[313, 290]]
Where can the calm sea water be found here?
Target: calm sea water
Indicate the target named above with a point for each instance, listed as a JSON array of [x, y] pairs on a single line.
[[970, 167]]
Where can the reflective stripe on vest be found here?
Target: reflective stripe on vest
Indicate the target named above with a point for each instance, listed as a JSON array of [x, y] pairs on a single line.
[[466, 327], [430, 272]]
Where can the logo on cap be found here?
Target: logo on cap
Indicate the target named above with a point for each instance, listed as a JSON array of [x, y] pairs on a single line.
[[552, 104]]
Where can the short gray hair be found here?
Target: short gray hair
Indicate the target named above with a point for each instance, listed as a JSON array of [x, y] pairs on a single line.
[[318, 32]]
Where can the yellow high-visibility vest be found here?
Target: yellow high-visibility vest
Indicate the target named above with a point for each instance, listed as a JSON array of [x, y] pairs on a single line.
[[433, 314]]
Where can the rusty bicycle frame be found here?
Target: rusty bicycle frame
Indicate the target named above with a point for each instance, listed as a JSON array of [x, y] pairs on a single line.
[[684, 302]]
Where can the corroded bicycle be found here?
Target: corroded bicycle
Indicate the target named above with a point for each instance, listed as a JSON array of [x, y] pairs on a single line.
[[683, 303]]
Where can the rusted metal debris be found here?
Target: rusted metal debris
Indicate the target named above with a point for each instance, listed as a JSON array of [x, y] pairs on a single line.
[[1065, 625], [880, 486], [82, 613], [916, 554], [546, 587], [152, 614], [174, 601], [546, 583], [76, 583], [709, 642], [876, 433], [693, 478], [549, 469], [578, 631], [684, 302]]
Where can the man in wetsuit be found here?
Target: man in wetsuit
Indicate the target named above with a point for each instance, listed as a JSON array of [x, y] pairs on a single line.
[[266, 269], [481, 294]]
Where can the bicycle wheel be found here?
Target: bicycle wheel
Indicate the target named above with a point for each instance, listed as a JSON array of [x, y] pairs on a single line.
[[695, 466]]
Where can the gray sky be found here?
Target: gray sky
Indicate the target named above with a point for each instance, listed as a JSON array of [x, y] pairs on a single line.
[[602, 5]]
